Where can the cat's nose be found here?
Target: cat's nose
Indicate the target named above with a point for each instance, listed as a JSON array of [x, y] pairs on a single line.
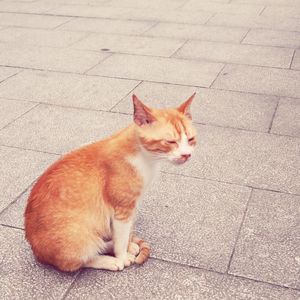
[[185, 156]]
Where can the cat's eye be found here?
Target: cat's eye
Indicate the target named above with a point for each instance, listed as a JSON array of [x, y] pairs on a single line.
[[171, 142], [191, 139]]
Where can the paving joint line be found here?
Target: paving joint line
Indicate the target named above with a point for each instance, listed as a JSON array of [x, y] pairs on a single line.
[[264, 8], [99, 63], [29, 149], [239, 231], [62, 24], [11, 226], [67, 291], [173, 55], [219, 73], [292, 60], [273, 116], [152, 26], [243, 38]]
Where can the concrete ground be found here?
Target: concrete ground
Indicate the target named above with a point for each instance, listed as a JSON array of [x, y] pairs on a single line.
[[224, 226]]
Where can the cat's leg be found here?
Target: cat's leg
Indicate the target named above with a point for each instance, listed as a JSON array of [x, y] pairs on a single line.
[[105, 262], [108, 247], [121, 233]]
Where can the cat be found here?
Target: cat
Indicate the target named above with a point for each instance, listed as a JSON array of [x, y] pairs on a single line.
[[80, 212]]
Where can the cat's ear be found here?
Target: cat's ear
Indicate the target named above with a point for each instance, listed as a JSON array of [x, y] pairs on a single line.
[[142, 114], [185, 107]]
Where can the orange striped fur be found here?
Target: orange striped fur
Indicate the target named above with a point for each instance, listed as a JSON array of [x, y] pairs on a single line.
[[81, 211]]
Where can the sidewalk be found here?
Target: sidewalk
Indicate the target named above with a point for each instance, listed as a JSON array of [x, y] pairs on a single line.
[[224, 226]]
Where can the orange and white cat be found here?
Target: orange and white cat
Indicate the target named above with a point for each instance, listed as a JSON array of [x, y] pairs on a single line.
[[81, 211]]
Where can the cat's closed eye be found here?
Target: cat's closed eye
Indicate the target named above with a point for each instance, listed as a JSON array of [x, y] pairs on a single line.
[[191, 139], [171, 142]]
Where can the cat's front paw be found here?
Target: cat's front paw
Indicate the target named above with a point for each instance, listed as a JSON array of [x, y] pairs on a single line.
[[134, 248], [127, 259]]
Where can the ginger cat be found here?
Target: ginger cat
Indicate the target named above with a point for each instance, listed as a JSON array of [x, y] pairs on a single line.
[[83, 207]]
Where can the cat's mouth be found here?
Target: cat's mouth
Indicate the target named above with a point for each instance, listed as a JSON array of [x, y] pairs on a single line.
[[180, 161]]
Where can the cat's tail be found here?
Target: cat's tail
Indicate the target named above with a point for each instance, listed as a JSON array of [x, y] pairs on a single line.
[[144, 250]]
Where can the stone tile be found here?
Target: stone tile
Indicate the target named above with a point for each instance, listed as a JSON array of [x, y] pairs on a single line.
[[107, 26], [158, 69], [21, 167], [60, 129], [222, 108], [287, 117], [11, 109], [296, 61], [30, 20], [236, 53], [13, 215], [273, 38], [165, 280], [202, 32], [40, 37], [21, 276], [78, 2], [269, 245], [52, 59], [26, 7], [269, 2], [290, 24], [259, 80], [67, 89], [154, 4], [130, 44], [196, 239], [7, 72], [246, 158], [228, 8], [282, 11]]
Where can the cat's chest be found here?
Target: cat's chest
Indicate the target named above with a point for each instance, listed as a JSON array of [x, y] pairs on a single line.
[[145, 168]]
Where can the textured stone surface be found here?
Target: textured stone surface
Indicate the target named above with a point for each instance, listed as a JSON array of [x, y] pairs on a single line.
[[7, 72], [158, 69], [233, 53], [296, 61], [107, 26], [206, 33], [21, 276], [130, 44], [273, 38], [30, 20], [289, 24], [40, 37], [54, 59], [222, 108], [246, 158], [60, 129], [182, 219], [26, 7], [19, 168], [11, 110], [282, 11], [259, 80], [163, 280], [269, 245], [287, 118], [67, 89]]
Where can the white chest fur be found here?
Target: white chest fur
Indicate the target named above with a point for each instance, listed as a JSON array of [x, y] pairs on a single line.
[[146, 167]]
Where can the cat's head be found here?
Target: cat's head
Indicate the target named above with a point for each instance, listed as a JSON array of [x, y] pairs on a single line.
[[166, 133]]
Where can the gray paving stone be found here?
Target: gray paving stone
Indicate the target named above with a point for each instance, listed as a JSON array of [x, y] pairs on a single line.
[[158, 69], [67, 89], [196, 239], [13, 215], [165, 5], [31, 20], [269, 2], [269, 245], [40, 37], [11, 109], [246, 158], [283, 23], [222, 108], [273, 38], [228, 8], [296, 61], [59, 129], [130, 44], [107, 26], [185, 226], [164, 280], [20, 169], [282, 11], [53, 59], [236, 53], [7, 72], [21, 276], [287, 117], [202, 32], [259, 80]]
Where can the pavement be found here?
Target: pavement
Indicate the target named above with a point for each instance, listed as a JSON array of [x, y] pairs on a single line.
[[224, 226]]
